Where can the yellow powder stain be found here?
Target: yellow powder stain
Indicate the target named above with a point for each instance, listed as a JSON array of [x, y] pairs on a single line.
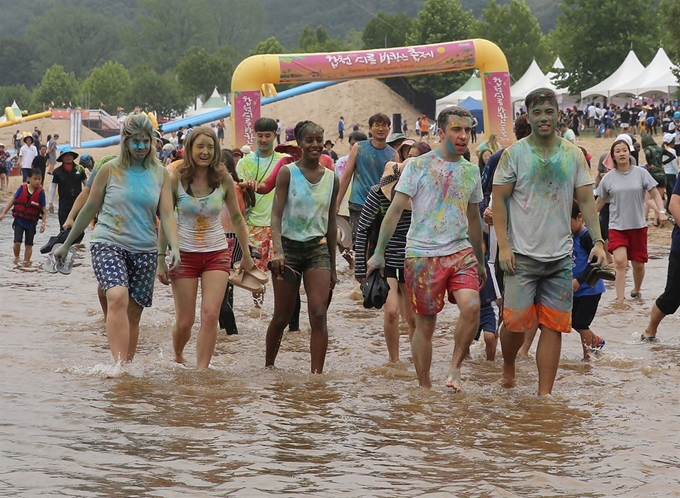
[[202, 225], [117, 222]]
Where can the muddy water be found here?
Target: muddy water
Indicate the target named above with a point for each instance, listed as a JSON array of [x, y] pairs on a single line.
[[71, 425]]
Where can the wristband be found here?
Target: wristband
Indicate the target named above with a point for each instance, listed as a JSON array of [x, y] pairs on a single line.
[[160, 254], [595, 241], [662, 211]]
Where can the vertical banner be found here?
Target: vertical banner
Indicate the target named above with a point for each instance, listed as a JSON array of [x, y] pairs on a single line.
[[245, 110], [75, 129], [498, 117]]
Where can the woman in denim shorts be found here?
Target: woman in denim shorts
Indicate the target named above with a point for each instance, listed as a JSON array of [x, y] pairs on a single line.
[[303, 229], [200, 186], [126, 195]]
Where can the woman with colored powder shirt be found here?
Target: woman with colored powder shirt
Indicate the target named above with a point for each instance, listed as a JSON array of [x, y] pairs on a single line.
[[200, 186], [126, 195], [303, 230]]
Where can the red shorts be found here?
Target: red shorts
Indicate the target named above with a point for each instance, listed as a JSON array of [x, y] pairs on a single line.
[[193, 264], [428, 279], [634, 240]]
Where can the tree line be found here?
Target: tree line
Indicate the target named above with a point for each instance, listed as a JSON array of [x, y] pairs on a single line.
[[165, 53]]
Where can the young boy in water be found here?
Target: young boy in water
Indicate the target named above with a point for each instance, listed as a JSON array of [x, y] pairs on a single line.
[[586, 298], [29, 206]]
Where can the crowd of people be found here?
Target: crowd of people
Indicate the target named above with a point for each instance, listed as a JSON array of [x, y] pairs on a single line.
[[427, 221]]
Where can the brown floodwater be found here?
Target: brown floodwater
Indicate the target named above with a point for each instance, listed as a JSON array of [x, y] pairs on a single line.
[[73, 425]]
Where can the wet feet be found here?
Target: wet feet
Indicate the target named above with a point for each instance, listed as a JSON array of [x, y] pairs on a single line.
[[179, 358], [454, 381], [508, 380], [648, 338]]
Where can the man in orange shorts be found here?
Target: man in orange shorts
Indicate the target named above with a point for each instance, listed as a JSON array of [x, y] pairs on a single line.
[[535, 183], [444, 243]]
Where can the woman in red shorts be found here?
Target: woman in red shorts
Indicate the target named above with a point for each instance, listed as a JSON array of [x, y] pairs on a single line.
[[624, 188], [200, 186]]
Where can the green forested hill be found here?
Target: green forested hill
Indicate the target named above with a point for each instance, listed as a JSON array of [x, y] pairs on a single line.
[[340, 16], [285, 19]]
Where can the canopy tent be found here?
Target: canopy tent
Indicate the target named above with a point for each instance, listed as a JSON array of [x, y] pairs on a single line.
[[658, 77], [17, 112], [214, 102], [629, 69], [471, 88], [530, 80], [477, 109]]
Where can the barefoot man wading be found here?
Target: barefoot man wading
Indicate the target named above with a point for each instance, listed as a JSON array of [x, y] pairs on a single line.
[[534, 185], [444, 242]]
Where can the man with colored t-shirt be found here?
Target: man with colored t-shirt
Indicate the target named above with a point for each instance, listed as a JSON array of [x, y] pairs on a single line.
[[256, 167], [668, 302], [533, 189], [444, 243], [365, 166]]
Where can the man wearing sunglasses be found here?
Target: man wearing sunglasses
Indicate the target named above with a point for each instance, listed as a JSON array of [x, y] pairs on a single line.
[[365, 166]]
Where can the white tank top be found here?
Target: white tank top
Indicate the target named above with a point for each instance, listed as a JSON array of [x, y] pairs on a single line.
[[198, 221]]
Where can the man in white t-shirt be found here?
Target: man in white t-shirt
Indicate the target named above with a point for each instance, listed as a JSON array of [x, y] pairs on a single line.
[[444, 244], [534, 186], [27, 153], [592, 114]]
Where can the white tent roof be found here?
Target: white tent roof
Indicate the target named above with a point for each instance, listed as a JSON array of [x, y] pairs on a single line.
[[658, 77], [548, 79], [471, 88], [529, 81], [629, 69]]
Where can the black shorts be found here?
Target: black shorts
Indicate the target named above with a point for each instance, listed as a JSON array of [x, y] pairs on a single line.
[[354, 217], [341, 134], [19, 233], [669, 302], [660, 180], [604, 221], [424, 133], [583, 311], [396, 273]]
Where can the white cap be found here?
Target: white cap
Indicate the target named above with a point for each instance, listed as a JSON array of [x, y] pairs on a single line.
[[246, 149], [168, 148], [668, 138], [626, 138]]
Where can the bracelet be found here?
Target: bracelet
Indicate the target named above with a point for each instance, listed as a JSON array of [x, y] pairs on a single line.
[[160, 254], [595, 241], [662, 211]]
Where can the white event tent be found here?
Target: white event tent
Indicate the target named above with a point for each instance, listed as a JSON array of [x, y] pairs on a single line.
[[658, 77], [214, 102], [530, 80], [471, 88], [629, 70], [534, 78]]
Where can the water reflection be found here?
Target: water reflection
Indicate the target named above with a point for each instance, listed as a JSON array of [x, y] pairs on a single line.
[[70, 425]]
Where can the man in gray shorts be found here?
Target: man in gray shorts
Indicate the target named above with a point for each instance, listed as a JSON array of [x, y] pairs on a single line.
[[52, 153], [533, 190]]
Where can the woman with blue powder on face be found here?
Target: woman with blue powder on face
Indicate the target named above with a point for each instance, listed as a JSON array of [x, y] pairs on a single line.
[[126, 195]]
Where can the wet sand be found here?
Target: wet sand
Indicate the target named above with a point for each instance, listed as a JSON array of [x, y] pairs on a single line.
[[73, 425]]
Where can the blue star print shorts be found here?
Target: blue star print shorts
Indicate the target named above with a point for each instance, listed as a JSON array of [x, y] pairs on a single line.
[[114, 266]]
